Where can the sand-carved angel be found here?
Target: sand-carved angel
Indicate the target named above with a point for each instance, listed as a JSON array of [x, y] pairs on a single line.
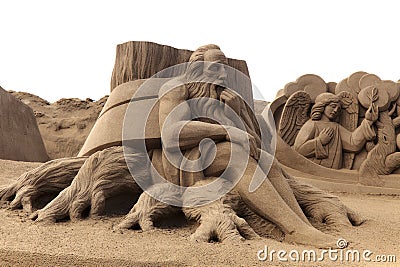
[[329, 134]]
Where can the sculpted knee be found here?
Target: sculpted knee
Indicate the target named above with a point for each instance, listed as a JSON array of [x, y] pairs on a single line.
[[234, 153], [226, 149]]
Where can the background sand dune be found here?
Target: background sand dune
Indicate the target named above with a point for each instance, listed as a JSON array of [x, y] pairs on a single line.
[[64, 124]]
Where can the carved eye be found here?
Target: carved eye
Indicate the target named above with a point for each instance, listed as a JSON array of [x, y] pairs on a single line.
[[213, 67]]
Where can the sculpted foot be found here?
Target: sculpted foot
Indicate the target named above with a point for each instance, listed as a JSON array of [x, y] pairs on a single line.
[[312, 237]]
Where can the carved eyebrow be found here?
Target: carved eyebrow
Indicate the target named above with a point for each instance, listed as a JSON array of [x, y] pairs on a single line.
[[213, 66]]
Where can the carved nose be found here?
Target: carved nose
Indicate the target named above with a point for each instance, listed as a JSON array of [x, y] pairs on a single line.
[[223, 75]]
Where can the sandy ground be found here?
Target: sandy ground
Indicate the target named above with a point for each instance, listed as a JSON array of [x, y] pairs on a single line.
[[94, 243]]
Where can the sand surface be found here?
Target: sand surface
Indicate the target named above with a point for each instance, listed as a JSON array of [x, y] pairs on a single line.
[[93, 242]]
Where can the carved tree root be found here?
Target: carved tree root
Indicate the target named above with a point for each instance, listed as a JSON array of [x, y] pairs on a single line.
[[45, 181], [218, 221], [262, 227], [103, 175], [325, 211], [147, 209]]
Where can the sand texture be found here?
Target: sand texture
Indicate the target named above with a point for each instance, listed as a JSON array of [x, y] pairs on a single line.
[[93, 242]]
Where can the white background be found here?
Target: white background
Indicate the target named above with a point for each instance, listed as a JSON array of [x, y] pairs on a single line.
[[58, 49]]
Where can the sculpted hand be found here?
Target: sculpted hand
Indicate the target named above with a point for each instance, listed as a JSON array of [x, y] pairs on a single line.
[[232, 100], [326, 135], [372, 113], [240, 137]]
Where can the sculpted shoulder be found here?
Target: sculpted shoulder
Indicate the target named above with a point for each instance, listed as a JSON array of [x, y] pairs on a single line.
[[306, 133], [174, 89], [309, 124]]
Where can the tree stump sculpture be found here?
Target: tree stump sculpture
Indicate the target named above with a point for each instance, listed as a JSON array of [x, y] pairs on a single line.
[[83, 185]]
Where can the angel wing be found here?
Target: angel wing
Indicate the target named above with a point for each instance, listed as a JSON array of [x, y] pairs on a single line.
[[294, 115], [349, 120]]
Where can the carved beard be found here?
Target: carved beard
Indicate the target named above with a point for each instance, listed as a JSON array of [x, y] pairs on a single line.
[[203, 105], [202, 89]]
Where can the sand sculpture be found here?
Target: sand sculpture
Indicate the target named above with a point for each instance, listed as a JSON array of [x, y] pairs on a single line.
[[358, 132], [280, 206], [20, 138]]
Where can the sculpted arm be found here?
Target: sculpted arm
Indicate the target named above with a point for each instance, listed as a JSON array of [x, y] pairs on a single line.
[[175, 123], [354, 141], [305, 142]]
